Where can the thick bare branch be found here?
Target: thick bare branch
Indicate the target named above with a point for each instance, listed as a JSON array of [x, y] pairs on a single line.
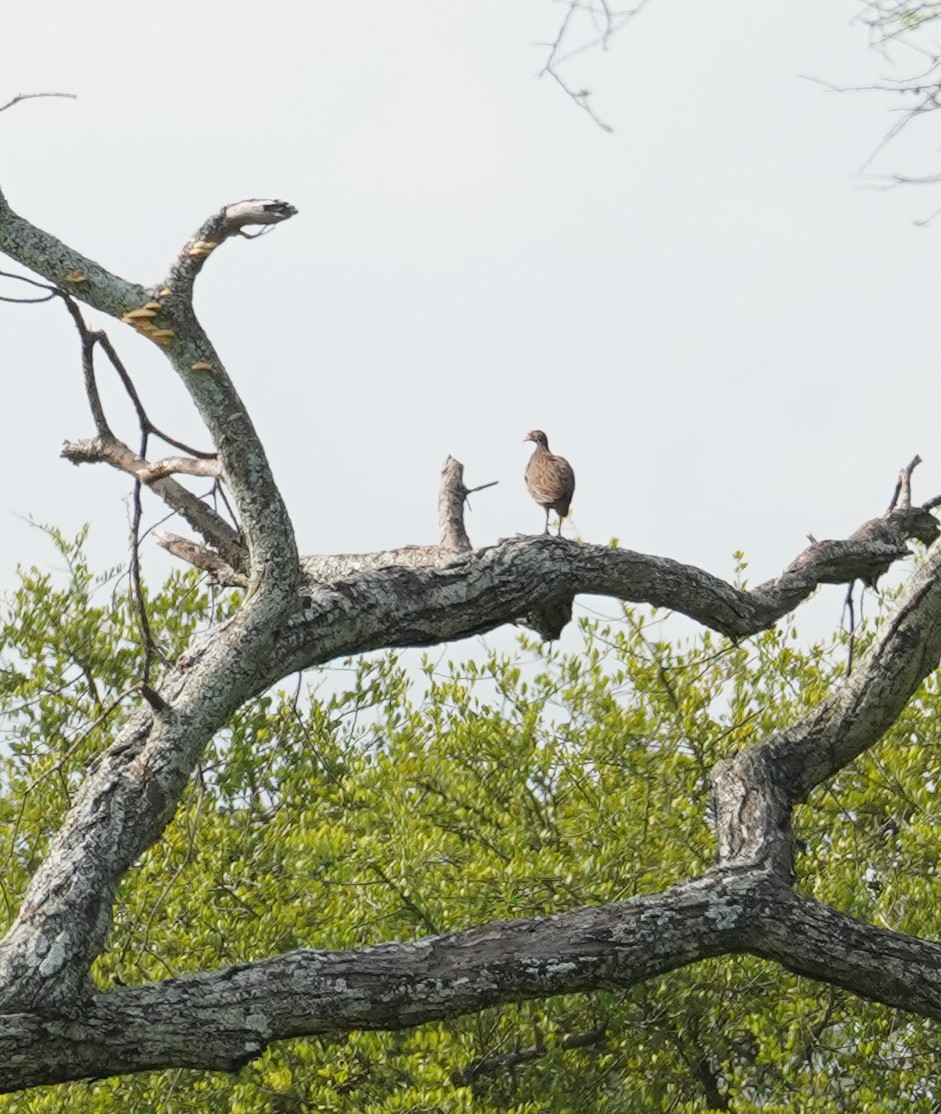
[[65, 268], [221, 1020], [539, 578], [474, 593], [756, 789], [132, 793]]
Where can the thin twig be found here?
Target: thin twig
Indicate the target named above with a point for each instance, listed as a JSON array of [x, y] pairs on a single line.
[[218, 493], [490, 1065], [580, 97], [88, 340], [32, 96], [848, 607], [60, 764], [51, 291], [479, 487], [142, 417], [605, 23], [150, 648], [27, 301]]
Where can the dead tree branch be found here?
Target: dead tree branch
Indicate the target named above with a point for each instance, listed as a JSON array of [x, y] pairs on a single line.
[[57, 1025], [202, 557], [67, 908], [216, 532], [33, 96], [220, 1020], [600, 22]]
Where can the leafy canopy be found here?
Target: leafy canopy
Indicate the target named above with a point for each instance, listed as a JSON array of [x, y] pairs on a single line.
[[399, 802]]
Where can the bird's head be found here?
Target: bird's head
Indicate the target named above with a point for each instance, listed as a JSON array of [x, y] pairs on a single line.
[[539, 437]]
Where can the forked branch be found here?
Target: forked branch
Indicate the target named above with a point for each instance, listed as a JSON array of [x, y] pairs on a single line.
[[56, 1026]]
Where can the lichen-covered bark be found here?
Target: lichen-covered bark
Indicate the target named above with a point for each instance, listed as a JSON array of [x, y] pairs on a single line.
[[302, 612], [133, 791], [221, 1019]]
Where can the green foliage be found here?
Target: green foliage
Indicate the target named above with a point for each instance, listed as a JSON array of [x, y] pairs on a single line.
[[403, 800]]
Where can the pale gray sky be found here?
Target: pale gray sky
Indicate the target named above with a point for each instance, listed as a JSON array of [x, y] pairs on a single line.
[[731, 339]]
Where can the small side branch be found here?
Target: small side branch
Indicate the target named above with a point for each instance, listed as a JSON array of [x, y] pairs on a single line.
[[201, 557], [50, 291], [454, 544], [182, 466], [902, 496], [452, 496], [213, 528], [146, 425], [491, 1065], [604, 22], [33, 96]]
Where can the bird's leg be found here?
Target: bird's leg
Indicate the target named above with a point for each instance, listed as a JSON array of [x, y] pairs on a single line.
[[559, 535], [546, 531]]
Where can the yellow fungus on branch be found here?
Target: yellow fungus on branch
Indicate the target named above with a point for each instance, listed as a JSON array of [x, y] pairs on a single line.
[[202, 248]]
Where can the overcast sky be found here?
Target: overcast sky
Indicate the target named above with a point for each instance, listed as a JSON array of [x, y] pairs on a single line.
[[730, 335]]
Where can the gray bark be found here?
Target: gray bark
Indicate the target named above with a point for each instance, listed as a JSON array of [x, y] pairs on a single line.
[[300, 612]]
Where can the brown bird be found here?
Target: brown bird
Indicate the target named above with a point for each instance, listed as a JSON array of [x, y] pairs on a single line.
[[549, 478]]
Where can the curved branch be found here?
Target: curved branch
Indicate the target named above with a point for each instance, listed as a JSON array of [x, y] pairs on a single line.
[[756, 788], [220, 1020], [423, 594], [230, 221], [33, 96], [474, 593], [132, 792]]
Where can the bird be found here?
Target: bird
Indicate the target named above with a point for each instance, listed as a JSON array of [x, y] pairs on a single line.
[[549, 478]]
